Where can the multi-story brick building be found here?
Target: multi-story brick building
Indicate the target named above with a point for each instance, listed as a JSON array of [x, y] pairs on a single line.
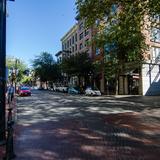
[[75, 41], [143, 80]]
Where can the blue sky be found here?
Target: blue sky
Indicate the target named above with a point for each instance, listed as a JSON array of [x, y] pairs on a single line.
[[34, 26]]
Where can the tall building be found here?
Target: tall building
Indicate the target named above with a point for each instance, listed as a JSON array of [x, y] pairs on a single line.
[[75, 41], [70, 42], [143, 80]]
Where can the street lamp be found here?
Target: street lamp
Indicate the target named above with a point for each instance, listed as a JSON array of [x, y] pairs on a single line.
[[16, 73], [2, 68]]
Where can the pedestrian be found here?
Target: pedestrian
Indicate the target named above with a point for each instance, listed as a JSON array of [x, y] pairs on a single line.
[[10, 93]]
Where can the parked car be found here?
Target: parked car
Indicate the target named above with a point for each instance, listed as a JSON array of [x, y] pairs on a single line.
[[72, 90], [63, 89], [24, 91], [92, 92]]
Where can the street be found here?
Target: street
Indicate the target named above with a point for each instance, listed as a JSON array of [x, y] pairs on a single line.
[[58, 126]]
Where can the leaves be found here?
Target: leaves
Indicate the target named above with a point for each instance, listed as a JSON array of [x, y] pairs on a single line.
[[45, 67], [15, 63], [77, 65], [119, 24]]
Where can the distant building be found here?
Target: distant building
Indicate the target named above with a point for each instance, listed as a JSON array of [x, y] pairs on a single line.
[[70, 42]]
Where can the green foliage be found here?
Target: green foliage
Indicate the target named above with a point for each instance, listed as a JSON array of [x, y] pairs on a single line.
[[46, 68], [119, 23], [26, 80], [20, 66], [77, 65]]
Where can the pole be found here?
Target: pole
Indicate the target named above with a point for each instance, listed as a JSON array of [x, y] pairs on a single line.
[[2, 69], [16, 75]]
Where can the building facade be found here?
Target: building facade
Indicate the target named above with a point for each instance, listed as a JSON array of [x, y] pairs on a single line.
[[150, 71], [143, 80], [75, 41]]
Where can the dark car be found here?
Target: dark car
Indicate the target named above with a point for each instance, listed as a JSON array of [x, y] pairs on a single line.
[[73, 90], [24, 91]]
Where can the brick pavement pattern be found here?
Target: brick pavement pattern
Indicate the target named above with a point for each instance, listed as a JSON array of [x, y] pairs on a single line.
[[54, 126], [14, 116]]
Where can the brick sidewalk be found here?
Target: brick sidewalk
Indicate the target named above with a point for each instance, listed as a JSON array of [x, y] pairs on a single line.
[[119, 135], [113, 137], [2, 148]]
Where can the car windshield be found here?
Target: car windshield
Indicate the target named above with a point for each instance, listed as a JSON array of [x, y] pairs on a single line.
[[25, 88], [92, 88], [95, 88]]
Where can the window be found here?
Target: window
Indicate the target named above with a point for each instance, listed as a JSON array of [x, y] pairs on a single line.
[[60, 59], [97, 22], [73, 40], [72, 48], [155, 53], [81, 36], [81, 26], [70, 42], [114, 8], [76, 47], [155, 18], [76, 37], [80, 46], [86, 32], [97, 51], [155, 35], [63, 47]]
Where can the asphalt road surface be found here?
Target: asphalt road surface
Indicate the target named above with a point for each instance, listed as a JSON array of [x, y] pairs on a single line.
[[58, 126]]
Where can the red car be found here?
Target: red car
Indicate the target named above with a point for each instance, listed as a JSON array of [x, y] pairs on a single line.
[[24, 91]]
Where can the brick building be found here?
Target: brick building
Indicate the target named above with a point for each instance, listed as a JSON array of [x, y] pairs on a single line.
[[143, 80]]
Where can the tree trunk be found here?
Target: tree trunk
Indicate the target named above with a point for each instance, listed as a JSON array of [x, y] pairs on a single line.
[[79, 80], [107, 84], [117, 81], [46, 85]]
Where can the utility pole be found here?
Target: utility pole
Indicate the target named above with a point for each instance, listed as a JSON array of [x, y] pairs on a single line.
[[2, 69]]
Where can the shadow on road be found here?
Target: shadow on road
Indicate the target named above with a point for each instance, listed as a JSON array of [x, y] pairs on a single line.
[[85, 128]]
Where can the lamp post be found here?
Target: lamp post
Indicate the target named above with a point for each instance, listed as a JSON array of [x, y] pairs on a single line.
[[2, 68], [16, 72]]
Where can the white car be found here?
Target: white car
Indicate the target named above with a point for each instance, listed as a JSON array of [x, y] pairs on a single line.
[[92, 92], [63, 89]]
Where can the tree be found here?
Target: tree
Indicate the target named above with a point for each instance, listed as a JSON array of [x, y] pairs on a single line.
[[16, 65], [79, 65], [119, 26], [45, 67]]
